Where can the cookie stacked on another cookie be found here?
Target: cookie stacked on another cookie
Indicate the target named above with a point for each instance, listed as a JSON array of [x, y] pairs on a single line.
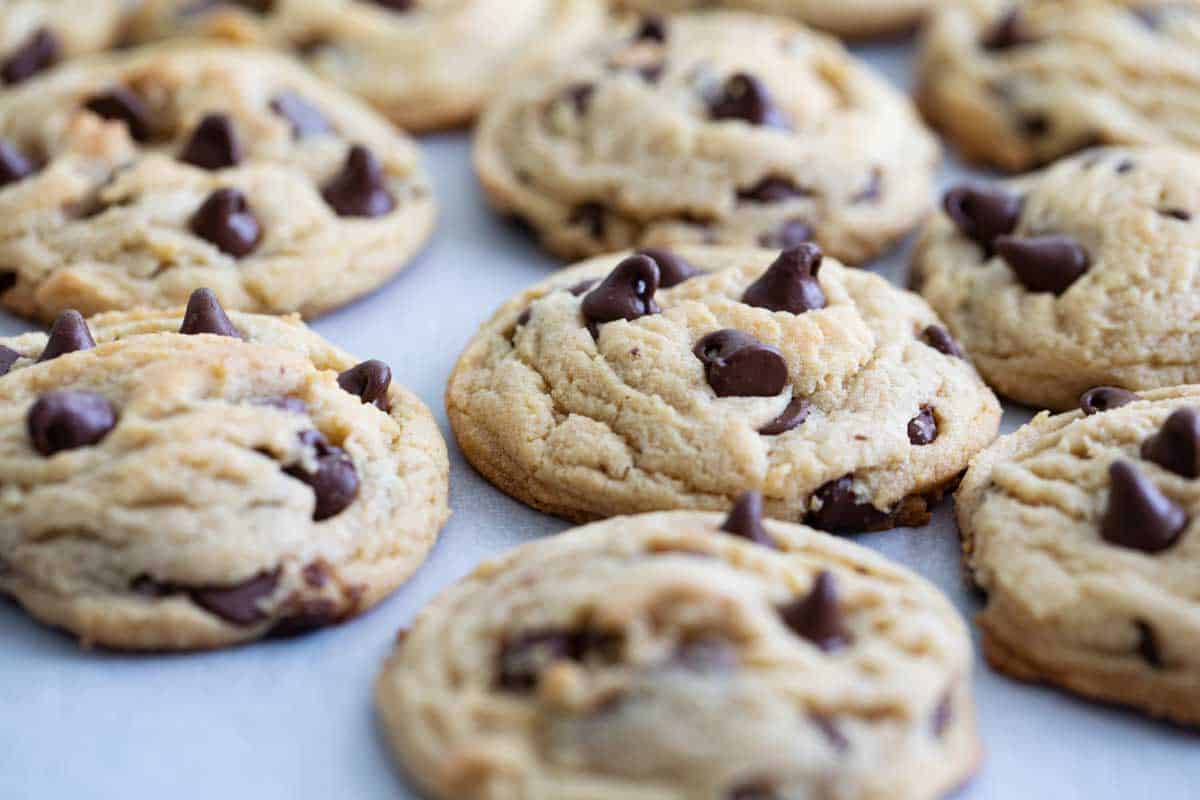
[[853, 19], [179, 480], [654, 656], [708, 128], [131, 180]]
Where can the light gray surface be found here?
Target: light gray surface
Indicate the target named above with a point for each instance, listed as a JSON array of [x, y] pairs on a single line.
[[292, 720]]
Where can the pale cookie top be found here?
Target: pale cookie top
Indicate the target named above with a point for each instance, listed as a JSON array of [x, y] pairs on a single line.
[[652, 657], [849, 18], [1084, 530], [717, 128], [686, 378], [424, 63], [1081, 275], [133, 179], [35, 35], [167, 491], [1018, 84]]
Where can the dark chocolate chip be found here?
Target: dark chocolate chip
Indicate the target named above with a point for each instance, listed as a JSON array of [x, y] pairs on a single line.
[[238, 604], [580, 96], [68, 334], [830, 730], [524, 318], [818, 616], [306, 614], [360, 188], [1125, 166], [652, 29], [923, 428], [14, 166], [69, 419], [746, 98], [40, 51], [841, 511], [746, 519], [672, 269], [1044, 263], [627, 293], [983, 212], [791, 233], [943, 714], [1176, 213], [1105, 398], [940, 339], [590, 216], [1176, 447], [305, 118], [225, 220], [213, 145], [1147, 646], [773, 189], [396, 5], [370, 381], [738, 365], [204, 314], [792, 417], [522, 660], [8, 357], [651, 73], [335, 481], [1011, 30], [8, 279], [790, 283], [753, 790], [122, 105], [1139, 516], [1035, 124], [583, 287]]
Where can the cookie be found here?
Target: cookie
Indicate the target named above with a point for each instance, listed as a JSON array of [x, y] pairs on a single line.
[[1084, 530], [131, 180], [680, 379], [855, 19], [1020, 84], [1074, 277], [35, 35], [425, 64], [720, 128], [192, 479], [654, 656]]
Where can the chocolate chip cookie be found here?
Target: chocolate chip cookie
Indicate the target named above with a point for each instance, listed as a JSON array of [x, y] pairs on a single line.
[[854, 19], [1081, 275], [1084, 530], [1019, 83], [192, 479], [35, 35], [131, 180], [424, 63], [715, 128], [680, 379], [655, 656]]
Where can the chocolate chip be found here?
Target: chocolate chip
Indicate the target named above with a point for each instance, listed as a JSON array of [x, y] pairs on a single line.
[[830, 730], [745, 519], [521, 661], [306, 614], [738, 365], [1105, 398], [652, 29], [370, 381], [69, 419], [524, 318], [590, 216], [360, 188], [8, 357], [225, 220], [790, 283], [14, 166], [1139, 516], [1125, 166], [923, 428], [1147, 646], [38, 52], [1011, 30], [943, 714], [68, 334], [773, 189], [651, 73], [579, 95], [396, 5], [204, 314], [1176, 447], [746, 98], [316, 574], [841, 511], [940, 339], [983, 212], [1035, 124], [753, 790], [791, 233], [305, 118], [627, 293], [335, 481], [238, 604], [672, 269], [122, 105], [583, 287], [818, 616], [1176, 213], [213, 145], [792, 417], [1044, 263], [8, 279]]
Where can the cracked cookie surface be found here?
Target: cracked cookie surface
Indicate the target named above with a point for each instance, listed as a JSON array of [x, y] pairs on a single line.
[[1083, 530], [1019, 84], [653, 657], [709, 128], [166, 492], [130, 180], [849, 18], [1082, 275], [424, 63], [835, 394]]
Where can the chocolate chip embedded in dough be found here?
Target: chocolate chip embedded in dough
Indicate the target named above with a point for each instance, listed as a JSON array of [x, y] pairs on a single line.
[[738, 365], [1139, 516], [68, 420]]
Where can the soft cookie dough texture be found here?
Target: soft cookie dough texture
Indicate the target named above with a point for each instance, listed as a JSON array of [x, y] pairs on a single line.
[[1132, 319], [1019, 84], [98, 207], [708, 128], [681, 679], [1064, 605], [424, 63], [180, 529], [38, 34], [853, 19], [587, 427]]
